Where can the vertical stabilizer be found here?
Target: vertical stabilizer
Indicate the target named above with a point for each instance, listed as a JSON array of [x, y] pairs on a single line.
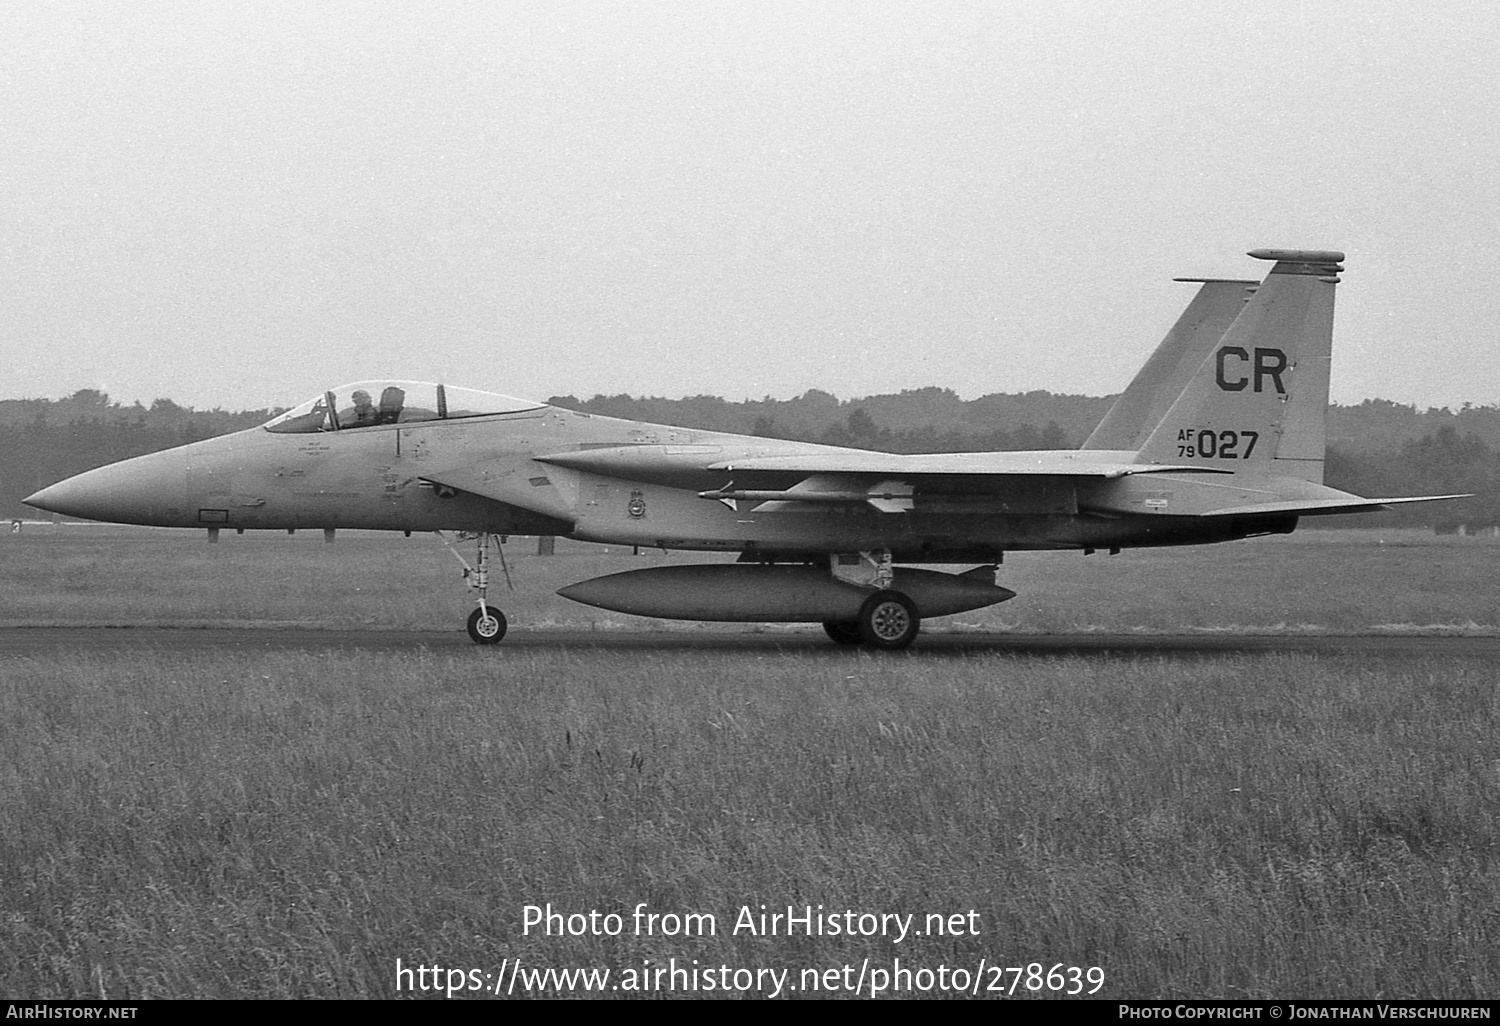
[[1259, 400], [1142, 405]]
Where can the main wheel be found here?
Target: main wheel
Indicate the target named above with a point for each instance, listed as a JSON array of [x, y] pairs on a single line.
[[888, 620], [843, 632], [487, 628]]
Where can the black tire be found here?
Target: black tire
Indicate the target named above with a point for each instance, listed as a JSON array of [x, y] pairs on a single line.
[[843, 632], [487, 633], [888, 620]]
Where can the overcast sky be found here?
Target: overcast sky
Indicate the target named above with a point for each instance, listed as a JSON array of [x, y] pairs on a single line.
[[242, 204]]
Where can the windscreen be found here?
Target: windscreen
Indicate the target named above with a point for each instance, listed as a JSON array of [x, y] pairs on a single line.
[[368, 404]]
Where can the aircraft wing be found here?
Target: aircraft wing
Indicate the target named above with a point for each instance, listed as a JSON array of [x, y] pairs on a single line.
[[1065, 463], [888, 481], [1316, 507]]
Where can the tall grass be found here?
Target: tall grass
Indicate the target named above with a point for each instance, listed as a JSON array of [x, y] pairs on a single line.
[[292, 824]]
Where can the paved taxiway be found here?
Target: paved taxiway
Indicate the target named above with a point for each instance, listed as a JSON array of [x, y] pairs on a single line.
[[55, 640]]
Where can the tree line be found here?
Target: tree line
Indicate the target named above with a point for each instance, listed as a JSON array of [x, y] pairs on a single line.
[[45, 440], [1375, 448]]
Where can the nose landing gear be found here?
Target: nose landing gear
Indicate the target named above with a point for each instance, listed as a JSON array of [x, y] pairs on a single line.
[[486, 624]]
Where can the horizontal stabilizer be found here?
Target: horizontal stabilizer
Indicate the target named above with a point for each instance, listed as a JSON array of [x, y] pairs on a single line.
[[1319, 507]]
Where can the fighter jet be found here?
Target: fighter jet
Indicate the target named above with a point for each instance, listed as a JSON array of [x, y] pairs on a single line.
[[1219, 437]]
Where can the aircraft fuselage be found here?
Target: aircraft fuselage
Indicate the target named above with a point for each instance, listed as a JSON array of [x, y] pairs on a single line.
[[387, 477]]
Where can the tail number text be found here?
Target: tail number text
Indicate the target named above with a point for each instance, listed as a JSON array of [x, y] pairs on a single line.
[[1216, 445]]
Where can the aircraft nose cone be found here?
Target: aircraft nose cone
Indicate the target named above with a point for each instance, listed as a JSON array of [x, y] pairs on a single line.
[[77, 496], [47, 498], [145, 490]]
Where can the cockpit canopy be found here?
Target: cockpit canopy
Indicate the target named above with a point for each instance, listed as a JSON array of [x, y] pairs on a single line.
[[370, 403]]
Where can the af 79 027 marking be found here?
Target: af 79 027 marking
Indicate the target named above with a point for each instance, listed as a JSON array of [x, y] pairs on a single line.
[[1208, 444]]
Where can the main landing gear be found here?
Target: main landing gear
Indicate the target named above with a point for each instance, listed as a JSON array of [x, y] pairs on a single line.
[[486, 623], [888, 619]]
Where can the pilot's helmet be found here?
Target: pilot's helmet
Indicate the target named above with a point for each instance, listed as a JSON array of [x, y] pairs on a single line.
[[361, 396]]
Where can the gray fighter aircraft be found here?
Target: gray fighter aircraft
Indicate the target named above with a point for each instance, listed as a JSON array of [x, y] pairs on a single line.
[[1219, 437]]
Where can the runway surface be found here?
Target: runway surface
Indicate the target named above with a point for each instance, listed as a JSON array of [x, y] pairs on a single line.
[[23, 641]]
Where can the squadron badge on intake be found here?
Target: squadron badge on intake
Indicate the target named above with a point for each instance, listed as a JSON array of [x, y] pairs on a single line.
[[636, 507]]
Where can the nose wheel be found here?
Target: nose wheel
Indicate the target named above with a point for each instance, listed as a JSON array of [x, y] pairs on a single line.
[[487, 625]]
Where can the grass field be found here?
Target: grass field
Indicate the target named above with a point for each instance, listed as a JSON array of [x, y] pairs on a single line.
[[1345, 582], [292, 824]]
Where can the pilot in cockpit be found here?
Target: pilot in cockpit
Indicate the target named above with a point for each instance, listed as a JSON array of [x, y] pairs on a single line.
[[406, 402], [364, 413]]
